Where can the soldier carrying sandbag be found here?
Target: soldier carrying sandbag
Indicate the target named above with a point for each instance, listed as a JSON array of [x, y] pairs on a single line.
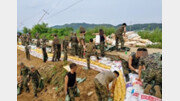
[[102, 81], [120, 33]]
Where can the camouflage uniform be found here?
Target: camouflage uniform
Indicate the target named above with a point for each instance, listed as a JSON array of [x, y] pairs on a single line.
[[102, 44], [45, 56], [44, 40], [65, 45], [153, 73], [55, 49], [80, 48], [38, 40], [119, 36], [89, 52], [27, 50], [74, 45], [24, 39], [101, 91], [35, 80], [72, 92], [29, 38], [58, 51], [24, 73]]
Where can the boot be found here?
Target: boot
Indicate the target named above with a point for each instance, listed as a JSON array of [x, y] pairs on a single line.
[[35, 95], [147, 89], [27, 90], [158, 92]]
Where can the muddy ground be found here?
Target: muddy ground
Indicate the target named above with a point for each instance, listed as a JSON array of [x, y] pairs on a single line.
[[48, 93]]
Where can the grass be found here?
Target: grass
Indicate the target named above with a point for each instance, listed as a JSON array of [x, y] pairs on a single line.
[[154, 36]]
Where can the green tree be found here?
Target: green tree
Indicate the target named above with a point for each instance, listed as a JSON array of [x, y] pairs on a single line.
[[26, 30], [40, 28]]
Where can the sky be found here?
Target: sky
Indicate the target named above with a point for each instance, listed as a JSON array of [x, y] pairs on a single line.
[[60, 12]]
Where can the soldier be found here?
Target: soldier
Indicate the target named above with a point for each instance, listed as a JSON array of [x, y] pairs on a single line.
[[45, 56], [55, 48], [27, 51], [24, 71], [58, 51], [102, 81], [90, 50], [82, 31], [102, 41], [74, 44], [150, 70], [119, 35], [23, 39], [132, 65], [35, 76], [65, 47], [38, 40], [29, 38], [44, 40], [81, 45], [70, 82]]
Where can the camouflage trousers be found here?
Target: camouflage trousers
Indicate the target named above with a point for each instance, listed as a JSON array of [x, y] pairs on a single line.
[[45, 57], [54, 58], [38, 44], [65, 55], [88, 55], [74, 49], [80, 51], [24, 83], [35, 84], [27, 55], [58, 52], [102, 44], [72, 92], [119, 38], [101, 91], [152, 76]]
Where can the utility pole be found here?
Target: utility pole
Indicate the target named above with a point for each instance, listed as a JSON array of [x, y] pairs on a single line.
[[45, 12]]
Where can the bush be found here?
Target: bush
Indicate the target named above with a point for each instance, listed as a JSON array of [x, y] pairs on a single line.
[[154, 36]]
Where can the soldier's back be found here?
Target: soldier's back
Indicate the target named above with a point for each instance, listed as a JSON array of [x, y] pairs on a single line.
[[152, 61], [120, 30], [90, 47]]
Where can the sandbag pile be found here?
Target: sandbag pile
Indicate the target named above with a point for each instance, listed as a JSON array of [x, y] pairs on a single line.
[[131, 38]]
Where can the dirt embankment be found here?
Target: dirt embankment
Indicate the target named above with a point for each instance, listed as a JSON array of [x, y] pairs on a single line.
[[49, 93]]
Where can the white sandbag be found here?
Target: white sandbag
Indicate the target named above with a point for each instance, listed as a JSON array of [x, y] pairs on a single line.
[[141, 44], [97, 39], [144, 97], [130, 43], [93, 58], [132, 35]]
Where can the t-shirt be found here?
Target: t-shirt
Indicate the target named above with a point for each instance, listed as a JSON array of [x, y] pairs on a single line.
[[71, 79], [102, 38], [105, 77], [135, 61]]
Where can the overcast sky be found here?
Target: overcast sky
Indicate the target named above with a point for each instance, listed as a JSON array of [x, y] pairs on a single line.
[[90, 11]]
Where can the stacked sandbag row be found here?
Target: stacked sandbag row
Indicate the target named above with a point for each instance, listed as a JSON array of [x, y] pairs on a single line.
[[131, 38]]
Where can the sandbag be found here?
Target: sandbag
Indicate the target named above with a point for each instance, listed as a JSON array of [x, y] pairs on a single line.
[[67, 98], [120, 88]]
